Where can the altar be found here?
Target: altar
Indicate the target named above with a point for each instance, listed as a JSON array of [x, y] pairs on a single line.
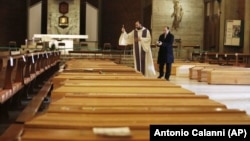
[[62, 42]]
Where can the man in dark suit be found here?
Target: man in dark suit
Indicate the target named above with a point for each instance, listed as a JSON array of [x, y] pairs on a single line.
[[165, 54]]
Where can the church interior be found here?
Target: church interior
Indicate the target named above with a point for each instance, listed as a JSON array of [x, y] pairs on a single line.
[[65, 75]]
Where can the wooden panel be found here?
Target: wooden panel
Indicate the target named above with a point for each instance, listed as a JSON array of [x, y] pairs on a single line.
[[127, 11], [9, 28]]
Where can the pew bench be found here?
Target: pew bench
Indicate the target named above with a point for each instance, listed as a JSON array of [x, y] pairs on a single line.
[[13, 132], [11, 80], [13, 83], [7, 66], [32, 108]]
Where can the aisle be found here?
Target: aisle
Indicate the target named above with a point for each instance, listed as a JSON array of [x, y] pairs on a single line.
[[234, 96]]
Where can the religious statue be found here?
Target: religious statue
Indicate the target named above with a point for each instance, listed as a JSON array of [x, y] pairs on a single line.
[[177, 14]]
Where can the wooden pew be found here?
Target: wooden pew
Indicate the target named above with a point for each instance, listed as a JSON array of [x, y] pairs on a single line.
[[11, 83], [3, 91], [24, 71], [13, 72], [27, 70], [7, 86], [13, 132], [18, 84], [44, 65], [32, 108], [235, 59]]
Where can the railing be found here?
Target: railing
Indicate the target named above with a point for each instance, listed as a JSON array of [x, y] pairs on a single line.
[[235, 59]]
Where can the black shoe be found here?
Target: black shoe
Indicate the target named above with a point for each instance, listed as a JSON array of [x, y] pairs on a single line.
[[160, 76], [167, 79]]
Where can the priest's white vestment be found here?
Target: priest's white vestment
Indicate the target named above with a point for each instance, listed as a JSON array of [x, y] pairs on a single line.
[[143, 60]]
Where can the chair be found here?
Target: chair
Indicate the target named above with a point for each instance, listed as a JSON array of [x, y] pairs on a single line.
[[127, 49], [12, 44], [39, 45], [107, 46], [61, 46], [83, 45]]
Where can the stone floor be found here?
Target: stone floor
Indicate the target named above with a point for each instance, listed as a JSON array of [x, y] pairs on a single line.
[[233, 96]]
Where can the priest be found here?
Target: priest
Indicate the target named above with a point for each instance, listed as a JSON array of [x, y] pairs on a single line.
[[141, 39]]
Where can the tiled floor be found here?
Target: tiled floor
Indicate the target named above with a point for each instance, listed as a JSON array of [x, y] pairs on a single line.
[[233, 96]]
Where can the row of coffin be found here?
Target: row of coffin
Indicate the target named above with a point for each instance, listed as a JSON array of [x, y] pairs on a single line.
[[95, 100]]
